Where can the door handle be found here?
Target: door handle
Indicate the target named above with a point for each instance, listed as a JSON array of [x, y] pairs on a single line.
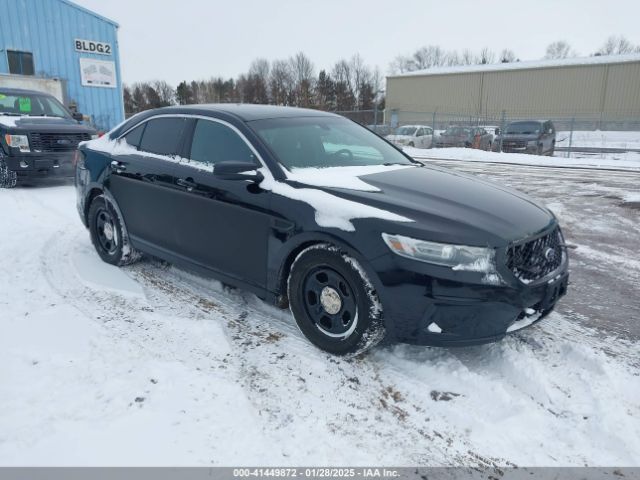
[[118, 166], [187, 183]]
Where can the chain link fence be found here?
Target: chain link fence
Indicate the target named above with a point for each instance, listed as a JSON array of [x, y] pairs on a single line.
[[577, 134]]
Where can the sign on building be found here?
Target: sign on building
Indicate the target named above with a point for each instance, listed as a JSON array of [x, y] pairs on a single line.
[[90, 46], [98, 73]]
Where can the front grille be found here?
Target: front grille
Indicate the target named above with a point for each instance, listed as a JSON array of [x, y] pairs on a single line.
[[56, 142], [514, 144], [535, 259]]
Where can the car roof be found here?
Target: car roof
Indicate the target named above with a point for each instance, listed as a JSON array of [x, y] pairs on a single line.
[[248, 112], [533, 120]]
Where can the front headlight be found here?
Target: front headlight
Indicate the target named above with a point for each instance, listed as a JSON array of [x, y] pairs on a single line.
[[18, 141], [532, 143], [456, 257], [95, 136]]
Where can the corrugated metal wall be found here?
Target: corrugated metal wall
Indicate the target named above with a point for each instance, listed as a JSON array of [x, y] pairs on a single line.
[[48, 28], [608, 90]]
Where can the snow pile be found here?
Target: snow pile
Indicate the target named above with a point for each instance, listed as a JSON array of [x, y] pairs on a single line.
[[629, 162], [599, 139], [331, 210]]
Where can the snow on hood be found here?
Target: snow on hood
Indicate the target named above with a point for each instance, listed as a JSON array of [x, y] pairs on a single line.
[[12, 121], [341, 177], [331, 211]]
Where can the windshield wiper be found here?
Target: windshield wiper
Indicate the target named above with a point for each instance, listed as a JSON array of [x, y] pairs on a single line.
[[11, 114]]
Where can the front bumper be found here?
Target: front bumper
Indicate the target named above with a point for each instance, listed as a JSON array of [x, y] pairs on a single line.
[[59, 164], [422, 309]]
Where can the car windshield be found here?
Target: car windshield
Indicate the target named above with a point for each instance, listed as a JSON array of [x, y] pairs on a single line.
[[454, 131], [32, 104], [317, 142], [524, 128], [406, 131]]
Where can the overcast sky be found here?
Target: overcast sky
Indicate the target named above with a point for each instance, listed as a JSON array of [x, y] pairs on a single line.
[[177, 40]]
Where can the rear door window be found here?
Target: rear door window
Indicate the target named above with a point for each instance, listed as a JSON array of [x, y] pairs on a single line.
[[162, 135], [214, 142]]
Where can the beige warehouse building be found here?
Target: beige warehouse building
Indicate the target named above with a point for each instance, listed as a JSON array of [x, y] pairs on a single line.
[[592, 90]]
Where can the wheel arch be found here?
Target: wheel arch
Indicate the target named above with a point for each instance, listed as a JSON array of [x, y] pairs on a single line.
[[296, 245]]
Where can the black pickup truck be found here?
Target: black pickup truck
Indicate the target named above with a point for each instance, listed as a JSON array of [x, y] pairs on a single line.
[[38, 136]]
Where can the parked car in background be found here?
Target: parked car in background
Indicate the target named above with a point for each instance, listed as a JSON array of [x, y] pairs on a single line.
[[530, 136], [468, 137], [382, 130], [492, 130], [38, 136], [362, 242], [419, 136]]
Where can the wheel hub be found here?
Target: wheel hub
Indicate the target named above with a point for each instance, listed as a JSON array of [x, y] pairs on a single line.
[[330, 300], [108, 231]]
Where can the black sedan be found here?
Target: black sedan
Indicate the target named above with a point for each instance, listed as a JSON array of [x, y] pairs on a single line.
[[312, 211]]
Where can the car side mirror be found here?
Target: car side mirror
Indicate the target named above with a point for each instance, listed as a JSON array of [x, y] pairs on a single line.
[[233, 170], [497, 131], [78, 116]]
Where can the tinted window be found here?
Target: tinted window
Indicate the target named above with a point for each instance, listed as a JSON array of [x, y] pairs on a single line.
[[162, 135], [20, 63], [302, 142], [214, 142], [134, 136]]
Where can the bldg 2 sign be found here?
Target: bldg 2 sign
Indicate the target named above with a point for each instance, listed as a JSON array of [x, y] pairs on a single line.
[[89, 46]]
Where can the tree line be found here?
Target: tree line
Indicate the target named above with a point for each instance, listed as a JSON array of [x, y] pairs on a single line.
[[349, 85]]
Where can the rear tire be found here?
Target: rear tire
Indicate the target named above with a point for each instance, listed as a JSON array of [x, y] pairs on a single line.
[[108, 234], [333, 302], [8, 178]]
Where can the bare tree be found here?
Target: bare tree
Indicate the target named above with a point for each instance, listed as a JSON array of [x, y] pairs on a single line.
[[559, 49], [507, 56], [486, 56], [303, 75], [166, 93], [617, 45], [467, 57], [280, 82]]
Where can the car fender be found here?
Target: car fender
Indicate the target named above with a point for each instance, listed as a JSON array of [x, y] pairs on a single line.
[[282, 259]]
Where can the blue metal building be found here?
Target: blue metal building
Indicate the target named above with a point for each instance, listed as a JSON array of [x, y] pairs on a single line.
[[57, 39]]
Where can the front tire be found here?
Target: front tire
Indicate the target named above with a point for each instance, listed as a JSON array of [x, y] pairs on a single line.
[[108, 235], [333, 302], [8, 178]]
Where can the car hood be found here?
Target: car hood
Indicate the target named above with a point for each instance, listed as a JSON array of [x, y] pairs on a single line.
[[41, 124], [452, 207]]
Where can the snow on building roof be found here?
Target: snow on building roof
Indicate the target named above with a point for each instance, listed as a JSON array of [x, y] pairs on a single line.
[[91, 12], [533, 64]]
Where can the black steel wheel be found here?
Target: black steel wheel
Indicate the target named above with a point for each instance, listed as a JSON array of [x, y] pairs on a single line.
[[108, 235], [330, 302], [333, 302]]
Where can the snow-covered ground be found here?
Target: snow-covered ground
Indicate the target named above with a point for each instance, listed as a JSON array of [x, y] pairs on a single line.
[[599, 139], [621, 161], [151, 365]]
